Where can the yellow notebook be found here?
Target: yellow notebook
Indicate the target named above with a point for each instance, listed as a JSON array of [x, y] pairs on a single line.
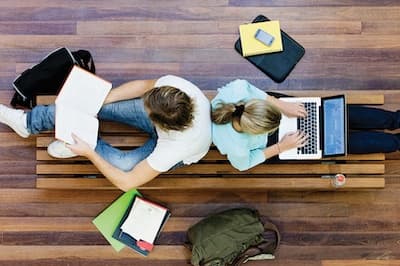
[[251, 46]]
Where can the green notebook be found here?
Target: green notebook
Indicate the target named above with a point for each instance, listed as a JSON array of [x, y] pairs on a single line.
[[108, 220]]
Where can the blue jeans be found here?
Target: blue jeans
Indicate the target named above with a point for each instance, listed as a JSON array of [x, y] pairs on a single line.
[[130, 112], [362, 139]]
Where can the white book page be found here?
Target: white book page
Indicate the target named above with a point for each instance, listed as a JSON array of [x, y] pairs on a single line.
[[84, 91], [70, 120], [144, 220]]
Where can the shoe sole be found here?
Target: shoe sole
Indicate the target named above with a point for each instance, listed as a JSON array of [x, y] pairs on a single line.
[[21, 134]]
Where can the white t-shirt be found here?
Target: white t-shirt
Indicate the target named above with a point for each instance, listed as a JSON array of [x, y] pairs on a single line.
[[189, 145]]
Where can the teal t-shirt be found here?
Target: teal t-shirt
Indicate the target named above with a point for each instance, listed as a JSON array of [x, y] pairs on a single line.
[[242, 149]]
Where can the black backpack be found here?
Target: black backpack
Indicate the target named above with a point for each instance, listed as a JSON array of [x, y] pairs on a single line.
[[48, 76], [231, 238]]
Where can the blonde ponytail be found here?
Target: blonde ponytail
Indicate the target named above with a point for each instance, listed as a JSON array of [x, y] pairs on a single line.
[[255, 116], [223, 113]]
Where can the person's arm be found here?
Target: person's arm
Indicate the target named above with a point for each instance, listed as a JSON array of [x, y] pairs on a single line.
[[139, 175], [244, 159], [129, 90], [287, 108], [288, 142]]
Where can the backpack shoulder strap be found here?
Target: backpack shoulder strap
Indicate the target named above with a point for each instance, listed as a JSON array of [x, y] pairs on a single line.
[[85, 60], [271, 227]]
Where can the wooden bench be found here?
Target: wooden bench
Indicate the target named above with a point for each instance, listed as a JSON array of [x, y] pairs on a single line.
[[214, 172]]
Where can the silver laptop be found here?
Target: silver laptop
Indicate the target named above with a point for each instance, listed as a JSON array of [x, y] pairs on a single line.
[[325, 125]]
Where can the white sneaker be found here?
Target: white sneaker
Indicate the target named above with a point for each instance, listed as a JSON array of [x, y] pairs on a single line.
[[57, 149], [14, 118]]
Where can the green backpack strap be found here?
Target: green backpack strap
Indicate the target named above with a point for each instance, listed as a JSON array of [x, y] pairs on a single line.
[[271, 227], [214, 262], [263, 251]]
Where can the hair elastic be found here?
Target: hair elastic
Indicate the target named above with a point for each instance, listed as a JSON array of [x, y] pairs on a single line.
[[239, 109]]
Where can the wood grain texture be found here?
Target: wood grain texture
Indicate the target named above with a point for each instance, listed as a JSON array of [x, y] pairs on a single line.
[[351, 46], [210, 169], [212, 155], [222, 183]]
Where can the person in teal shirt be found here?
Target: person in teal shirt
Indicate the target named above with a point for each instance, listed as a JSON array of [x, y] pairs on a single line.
[[245, 121], [243, 116]]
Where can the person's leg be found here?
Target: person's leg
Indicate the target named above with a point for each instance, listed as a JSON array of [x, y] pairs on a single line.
[[130, 112], [41, 118], [125, 160], [363, 142], [361, 117], [15, 119]]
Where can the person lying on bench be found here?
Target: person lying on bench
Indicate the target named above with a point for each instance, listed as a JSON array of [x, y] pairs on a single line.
[[173, 111], [246, 119]]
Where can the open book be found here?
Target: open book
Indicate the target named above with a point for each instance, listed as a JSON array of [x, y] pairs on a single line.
[[141, 225], [77, 105]]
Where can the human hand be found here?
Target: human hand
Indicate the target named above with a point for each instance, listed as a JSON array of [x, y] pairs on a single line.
[[293, 140], [295, 109], [80, 147]]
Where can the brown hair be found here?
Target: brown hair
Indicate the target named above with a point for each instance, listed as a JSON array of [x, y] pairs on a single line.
[[255, 116], [169, 108]]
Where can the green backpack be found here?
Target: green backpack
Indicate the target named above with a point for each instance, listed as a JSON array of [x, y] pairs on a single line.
[[231, 237]]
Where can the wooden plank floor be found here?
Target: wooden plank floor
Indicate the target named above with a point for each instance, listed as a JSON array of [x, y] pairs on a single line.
[[350, 45]]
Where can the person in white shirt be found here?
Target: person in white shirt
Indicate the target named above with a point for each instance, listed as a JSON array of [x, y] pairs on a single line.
[[173, 111]]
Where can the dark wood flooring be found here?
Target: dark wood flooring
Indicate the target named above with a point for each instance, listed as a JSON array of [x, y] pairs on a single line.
[[350, 45]]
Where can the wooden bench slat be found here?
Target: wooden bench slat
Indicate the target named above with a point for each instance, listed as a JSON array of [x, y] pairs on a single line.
[[137, 141], [118, 141], [214, 155], [225, 183], [82, 169]]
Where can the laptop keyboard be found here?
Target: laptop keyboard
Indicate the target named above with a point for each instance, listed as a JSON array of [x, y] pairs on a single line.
[[309, 125]]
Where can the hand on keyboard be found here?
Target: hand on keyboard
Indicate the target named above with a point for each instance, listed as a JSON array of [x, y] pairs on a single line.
[[293, 140], [293, 109]]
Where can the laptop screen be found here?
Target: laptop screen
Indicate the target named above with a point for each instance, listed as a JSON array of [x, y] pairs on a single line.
[[334, 117]]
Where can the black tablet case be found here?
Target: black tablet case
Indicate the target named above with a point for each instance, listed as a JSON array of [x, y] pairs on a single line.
[[126, 238], [276, 65]]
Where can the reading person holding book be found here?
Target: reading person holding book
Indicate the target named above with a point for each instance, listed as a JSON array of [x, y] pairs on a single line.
[[173, 111], [246, 116]]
